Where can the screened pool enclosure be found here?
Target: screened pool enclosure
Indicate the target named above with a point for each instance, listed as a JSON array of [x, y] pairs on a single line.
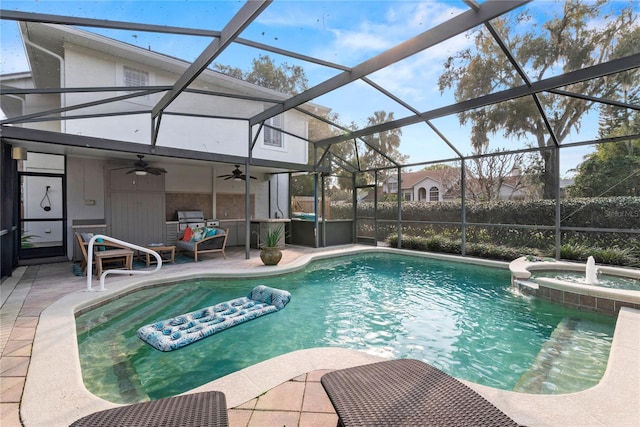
[[483, 128]]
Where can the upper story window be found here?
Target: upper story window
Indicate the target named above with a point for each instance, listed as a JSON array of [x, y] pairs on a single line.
[[273, 137], [393, 186], [135, 78]]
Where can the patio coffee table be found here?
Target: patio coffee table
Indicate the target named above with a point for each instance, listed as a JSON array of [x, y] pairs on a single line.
[[126, 255], [167, 252]]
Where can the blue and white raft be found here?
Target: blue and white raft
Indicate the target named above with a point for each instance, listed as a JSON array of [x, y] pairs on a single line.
[[174, 333]]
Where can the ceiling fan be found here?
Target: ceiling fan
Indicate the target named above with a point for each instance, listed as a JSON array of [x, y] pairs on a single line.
[[140, 167], [236, 175]]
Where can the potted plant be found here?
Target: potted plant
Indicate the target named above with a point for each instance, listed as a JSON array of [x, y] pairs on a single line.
[[271, 253]]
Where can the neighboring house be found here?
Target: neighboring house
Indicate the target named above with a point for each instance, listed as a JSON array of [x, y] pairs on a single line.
[[436, 185], [93, 183], [431, 185]]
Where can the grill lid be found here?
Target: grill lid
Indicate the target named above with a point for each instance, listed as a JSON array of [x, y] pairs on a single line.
[[190, 216]]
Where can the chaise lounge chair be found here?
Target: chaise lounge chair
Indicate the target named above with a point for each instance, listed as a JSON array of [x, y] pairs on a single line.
[[407, 392], [189, 410]]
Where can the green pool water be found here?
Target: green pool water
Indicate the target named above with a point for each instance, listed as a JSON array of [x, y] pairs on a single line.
[[461, 318]]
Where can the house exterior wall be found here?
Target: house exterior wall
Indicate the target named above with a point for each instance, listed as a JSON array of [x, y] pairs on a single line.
[[83, 68], [414, 191], [508, 193], [88, 182], [89, 192]]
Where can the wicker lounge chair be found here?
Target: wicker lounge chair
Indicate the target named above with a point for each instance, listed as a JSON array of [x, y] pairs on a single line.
[[407, 392], [199, 409]]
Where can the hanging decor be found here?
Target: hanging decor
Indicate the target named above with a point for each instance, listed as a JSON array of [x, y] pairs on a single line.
[[45, 203]]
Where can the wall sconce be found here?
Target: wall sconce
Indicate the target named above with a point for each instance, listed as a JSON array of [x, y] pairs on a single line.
[[19, 153]]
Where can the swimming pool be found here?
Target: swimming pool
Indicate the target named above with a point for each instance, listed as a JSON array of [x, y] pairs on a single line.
[[461, 318]]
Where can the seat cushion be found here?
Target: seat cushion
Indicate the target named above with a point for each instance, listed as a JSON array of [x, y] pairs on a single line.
[[189, 246]]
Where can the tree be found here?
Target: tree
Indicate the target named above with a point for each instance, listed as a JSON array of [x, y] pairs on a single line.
[[285, 78], [614, 168], [489, 175], [567, 42], [610, 171], [387, 143]]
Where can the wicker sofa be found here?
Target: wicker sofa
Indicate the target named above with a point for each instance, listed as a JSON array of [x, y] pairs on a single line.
[[215, 243]]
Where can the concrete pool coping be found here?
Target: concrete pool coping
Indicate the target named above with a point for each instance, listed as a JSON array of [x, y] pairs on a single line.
[[54, 393]]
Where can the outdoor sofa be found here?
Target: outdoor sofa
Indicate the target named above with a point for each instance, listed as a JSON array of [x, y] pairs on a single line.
[[203, 241]]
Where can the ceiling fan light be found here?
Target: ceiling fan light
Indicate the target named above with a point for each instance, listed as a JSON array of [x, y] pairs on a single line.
[[141, 173], [237, 178]]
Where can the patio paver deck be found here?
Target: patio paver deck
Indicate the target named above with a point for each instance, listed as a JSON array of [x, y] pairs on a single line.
[[299, 399]]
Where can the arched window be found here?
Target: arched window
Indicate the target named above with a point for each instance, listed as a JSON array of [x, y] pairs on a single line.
[[434, 194]]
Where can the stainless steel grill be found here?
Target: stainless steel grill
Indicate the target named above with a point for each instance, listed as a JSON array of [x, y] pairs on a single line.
[[192, 219]]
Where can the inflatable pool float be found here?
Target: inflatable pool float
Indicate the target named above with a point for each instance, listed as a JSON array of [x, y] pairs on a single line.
[[174, 333]]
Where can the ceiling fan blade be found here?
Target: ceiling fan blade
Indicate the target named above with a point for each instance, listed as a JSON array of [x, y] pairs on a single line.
[[131, 171], [155, 171]]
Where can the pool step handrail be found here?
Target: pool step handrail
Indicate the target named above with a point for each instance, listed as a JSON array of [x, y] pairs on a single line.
[[123, 243]]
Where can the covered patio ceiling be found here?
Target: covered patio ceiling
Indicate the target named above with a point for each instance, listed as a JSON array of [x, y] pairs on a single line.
[[427, 121]]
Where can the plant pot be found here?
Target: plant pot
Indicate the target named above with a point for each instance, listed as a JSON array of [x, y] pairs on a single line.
[[270, 255]]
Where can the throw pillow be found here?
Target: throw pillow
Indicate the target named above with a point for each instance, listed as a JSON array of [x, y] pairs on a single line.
[[188, 233], [197, 235], [211, 232], [86, 236], [100, 247]]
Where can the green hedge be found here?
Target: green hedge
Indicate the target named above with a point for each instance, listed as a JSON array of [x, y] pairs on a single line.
[[507, 243], [624, 212]]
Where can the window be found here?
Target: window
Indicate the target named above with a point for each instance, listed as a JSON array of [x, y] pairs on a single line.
[[406, 196], [135, 78], [272, 137], [393, 186], [434, 194]]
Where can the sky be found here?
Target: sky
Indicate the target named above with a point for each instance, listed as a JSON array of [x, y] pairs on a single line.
[[342, 32]]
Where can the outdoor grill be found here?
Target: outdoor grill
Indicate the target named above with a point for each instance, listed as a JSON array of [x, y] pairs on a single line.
[[194, 219]]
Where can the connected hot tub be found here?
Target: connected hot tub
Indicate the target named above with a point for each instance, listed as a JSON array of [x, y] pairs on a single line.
[[571, 284]]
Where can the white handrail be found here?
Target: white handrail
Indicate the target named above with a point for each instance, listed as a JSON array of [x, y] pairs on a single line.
[[123, 243]]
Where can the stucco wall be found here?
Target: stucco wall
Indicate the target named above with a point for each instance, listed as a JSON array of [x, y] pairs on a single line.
[[227, 136]]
